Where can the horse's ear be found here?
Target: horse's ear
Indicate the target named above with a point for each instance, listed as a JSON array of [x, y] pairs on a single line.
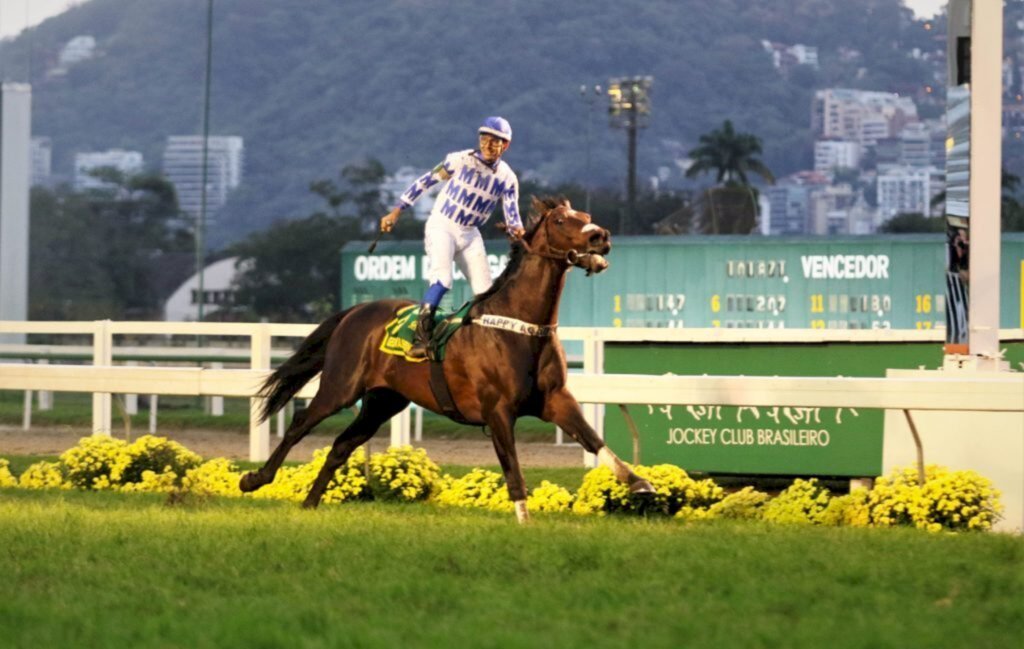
[[537, 206]]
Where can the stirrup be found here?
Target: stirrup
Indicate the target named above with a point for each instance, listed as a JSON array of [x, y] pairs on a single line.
[[418, 350]]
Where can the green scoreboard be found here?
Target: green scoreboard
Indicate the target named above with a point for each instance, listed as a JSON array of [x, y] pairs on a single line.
[[868, 282]]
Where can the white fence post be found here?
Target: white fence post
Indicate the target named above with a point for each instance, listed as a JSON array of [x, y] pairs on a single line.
[[259, 433], [26, 413], [217, 402], [45, 398], [419, 423], [102, 354], [152, 413], [593, 363], [400, 428], [131, 401]]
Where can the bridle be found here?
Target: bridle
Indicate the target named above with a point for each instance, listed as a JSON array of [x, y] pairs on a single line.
[[571, 256]]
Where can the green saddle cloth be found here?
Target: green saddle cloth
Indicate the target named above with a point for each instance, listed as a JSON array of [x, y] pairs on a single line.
[[400, 333]]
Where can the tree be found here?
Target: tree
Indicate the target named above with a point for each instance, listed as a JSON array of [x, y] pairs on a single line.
[[912, 222], [100, 253], [291, 272], [730, 155], [732, 207]]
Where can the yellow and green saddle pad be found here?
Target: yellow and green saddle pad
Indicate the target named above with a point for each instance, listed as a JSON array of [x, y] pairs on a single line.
[[400, 332]]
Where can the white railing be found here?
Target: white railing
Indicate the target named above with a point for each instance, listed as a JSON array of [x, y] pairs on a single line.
[[592, 388]]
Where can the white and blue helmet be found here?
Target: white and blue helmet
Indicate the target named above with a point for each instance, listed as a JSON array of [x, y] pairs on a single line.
[[498, 127]]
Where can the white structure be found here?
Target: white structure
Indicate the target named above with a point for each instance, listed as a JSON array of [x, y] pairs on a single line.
[[78, 49], [836, 154], [15, 134], [915, 145], [127, 162], [786, 56], [859, 115], [218, 278], [903, 190], [42, 160], [183, 166]]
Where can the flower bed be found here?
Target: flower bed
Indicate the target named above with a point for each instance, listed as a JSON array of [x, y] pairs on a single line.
[[949, 500]]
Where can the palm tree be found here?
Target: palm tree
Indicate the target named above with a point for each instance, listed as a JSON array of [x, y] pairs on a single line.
[[732, 155], [731, 208]]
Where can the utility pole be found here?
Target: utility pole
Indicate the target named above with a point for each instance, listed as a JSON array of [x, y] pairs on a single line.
[[201, 217], [629, 107], [589, 95]]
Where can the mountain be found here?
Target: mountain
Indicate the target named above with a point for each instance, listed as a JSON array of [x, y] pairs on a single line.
[[318, 84]]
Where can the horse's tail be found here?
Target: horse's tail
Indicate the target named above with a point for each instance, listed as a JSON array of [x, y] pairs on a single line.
[[296, 372]]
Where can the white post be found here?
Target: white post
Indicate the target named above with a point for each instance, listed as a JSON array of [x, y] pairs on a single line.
[[280, 422], [102, 355], [26, 413], [419, 423], [593, 363], [217, 402], [44, 400], [400, 428], [259, 432], [131, 401], [985, 187], [152, 413]]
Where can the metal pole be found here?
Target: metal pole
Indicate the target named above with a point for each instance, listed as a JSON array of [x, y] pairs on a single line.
[[631, 188], [201, 217]]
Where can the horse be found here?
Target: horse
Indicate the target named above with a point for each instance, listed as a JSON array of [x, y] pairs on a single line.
[[494, 375]]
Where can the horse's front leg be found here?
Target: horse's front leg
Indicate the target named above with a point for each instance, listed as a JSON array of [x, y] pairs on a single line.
[[501, 422], [562, 409]]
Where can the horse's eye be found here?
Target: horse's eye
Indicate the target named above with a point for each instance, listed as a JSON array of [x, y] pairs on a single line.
[[559, 221]]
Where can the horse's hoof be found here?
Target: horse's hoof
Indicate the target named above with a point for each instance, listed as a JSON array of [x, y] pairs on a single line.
[[250, 482], [641, 487]]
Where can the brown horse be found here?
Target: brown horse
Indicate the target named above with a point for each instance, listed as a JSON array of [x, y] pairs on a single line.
[[495, 375]]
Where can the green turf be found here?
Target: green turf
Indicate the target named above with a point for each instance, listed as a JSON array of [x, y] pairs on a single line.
[[115, 570]]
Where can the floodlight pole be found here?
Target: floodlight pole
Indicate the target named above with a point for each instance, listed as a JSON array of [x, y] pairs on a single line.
[[201, 216]]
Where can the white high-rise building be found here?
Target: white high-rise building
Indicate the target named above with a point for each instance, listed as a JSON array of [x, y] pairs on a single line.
[[127, 162], [905, 190], [836, 154], [859, 115], [183, 166], [42, 160]]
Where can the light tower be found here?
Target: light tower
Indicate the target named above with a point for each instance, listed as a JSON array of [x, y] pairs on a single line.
[[629, 107]]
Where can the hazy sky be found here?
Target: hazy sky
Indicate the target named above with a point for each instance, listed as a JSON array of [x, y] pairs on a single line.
[[16, 15]]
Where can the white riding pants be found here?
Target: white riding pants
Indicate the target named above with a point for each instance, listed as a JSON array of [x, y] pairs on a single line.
[[446, 242]]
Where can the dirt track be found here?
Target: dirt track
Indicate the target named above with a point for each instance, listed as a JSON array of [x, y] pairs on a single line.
[[210, 444]]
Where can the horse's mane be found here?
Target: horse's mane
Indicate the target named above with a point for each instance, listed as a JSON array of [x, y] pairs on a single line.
[[538, 209]]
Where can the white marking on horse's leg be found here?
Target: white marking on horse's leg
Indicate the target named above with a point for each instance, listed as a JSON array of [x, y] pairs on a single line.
[[521, 514], [607, 458]]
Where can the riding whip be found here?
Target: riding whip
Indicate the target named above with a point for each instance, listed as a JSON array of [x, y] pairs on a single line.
[[373, 246]]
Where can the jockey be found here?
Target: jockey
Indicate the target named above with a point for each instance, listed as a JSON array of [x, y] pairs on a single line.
[[477, 179]]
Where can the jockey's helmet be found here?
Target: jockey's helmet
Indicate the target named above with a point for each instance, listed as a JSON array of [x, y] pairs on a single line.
[[498, 127]]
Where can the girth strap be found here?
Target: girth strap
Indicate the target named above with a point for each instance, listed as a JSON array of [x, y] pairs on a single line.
[[443, 396]]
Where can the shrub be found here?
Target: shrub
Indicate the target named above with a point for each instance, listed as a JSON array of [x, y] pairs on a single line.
[[293, 483], [218, 477], [157, 455], [804, 501], [745, 504], [549, 497], [478, 488], [403, 473], [43, 475], [951, 500], [95, 463], [601, 493], [7, 479]]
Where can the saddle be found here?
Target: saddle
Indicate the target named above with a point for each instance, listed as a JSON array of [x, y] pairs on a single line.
[[400, 332], [399, 335]]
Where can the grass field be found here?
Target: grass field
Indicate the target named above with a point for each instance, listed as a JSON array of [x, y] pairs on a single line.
[[85, 569]]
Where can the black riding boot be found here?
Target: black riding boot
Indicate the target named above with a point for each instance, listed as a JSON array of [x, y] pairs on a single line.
[[424, 332]]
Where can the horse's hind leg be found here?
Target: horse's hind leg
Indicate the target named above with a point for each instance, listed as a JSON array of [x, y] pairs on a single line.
[[321, 407], [379, 406]]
